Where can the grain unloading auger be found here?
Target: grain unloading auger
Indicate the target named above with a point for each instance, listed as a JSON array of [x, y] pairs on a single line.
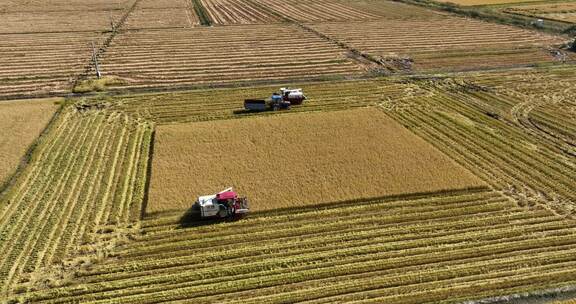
[[223, 205], [278, 101]]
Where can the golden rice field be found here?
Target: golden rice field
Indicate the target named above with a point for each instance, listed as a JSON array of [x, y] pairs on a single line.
[[442, 244], [433, 161], [297, 160], [21, 123]]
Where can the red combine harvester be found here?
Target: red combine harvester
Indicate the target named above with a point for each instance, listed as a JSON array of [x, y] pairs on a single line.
[[222, 205], [278, 101]]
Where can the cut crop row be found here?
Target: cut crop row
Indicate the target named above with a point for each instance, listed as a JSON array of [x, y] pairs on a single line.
[[63, 189], [495, 239]]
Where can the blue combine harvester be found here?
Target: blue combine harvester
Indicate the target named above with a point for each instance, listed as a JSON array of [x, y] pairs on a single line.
[[278, 101]]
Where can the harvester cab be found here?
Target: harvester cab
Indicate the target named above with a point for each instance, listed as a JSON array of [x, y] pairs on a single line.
[[294, 96], [223, 205]]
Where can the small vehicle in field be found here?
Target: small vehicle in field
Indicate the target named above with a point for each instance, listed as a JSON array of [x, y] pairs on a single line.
[[223, 205], [282, 100]]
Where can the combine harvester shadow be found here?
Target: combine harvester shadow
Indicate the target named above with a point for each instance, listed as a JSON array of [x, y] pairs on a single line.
[[191, 218]]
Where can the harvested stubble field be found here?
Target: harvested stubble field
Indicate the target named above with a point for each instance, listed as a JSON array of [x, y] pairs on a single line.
[[21, 123], [162, 14], [542, 101], [296, 160], [445, 44], [57, 21], [444, 248], [210, 104], [238, 12], [497, 219], [62, 5], [560, 11], [86, 172], [222, 55], [485, 2], [317, 10], [35, 64], [391, 9]]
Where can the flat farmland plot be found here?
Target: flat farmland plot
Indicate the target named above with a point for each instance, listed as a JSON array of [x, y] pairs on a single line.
[[87, 171], [485, 2], [40, 64], [216, 104], [391, 9], [560, 11], [62, 5], [295, 160], [317, 10], [543, 102], [21, 122], [222, 55], [445, 44], [57, 21], [443, 248], [162, 14], [238, 12]]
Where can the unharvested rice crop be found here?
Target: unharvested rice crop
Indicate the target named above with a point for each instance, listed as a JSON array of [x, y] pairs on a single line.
[[21, 122], [296, 160], [222, 55], [444, 44]]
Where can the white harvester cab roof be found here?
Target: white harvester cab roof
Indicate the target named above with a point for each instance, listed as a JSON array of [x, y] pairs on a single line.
[[208, 206]]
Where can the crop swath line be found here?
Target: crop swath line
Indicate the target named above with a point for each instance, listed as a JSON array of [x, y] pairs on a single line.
[[68, 202], [38, 213], [90, 183], [504, 238], [293, 247], [66, 174]]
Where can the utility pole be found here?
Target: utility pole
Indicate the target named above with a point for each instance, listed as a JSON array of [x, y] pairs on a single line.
[[95, 59], [112, 22]]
